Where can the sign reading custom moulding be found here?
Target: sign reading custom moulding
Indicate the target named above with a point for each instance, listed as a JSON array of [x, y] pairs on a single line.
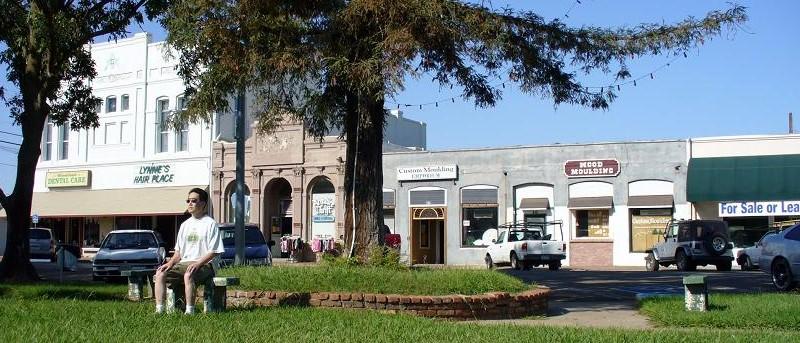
[[442, 172], [78, 178], [591, 168]]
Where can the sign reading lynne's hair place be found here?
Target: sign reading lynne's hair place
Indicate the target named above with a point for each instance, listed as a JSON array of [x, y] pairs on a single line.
[[443, 172], [591, 168], [78, 178], [154, 174]]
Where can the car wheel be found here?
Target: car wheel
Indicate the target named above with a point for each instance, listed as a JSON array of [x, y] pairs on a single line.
[[782, 275], [554, 265], [489, 262], [716, 243], [724, 266], [682, 262], [747, 264], [651, 263], [515, 263]]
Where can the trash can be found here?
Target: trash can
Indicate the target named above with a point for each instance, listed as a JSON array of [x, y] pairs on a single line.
[[68, 257]]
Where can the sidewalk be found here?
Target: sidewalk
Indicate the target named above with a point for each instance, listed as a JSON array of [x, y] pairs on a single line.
[[585, 314]]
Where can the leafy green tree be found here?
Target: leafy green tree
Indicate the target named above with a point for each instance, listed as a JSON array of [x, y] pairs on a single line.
[[46, 54], [331, 64]]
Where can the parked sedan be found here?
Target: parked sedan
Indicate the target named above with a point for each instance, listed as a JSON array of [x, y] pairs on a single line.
[[257, 250], [748, 257], [780, 256], [128, 250]]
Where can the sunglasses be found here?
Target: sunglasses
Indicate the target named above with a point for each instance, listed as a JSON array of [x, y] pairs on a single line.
[[192, 201]]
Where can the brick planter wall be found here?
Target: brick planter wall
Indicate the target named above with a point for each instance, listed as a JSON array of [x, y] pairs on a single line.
[[496, 305]]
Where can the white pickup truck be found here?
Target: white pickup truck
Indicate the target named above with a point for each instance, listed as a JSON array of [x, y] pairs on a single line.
[[526, 245]]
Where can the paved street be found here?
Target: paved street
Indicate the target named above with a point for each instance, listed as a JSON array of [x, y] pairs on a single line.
[[615, 284]]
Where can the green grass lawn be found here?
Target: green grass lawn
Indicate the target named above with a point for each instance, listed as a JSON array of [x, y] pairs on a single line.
[[56, 314], [327, 278], [779, 311]]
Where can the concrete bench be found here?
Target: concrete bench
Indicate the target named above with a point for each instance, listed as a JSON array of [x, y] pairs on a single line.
[[696, 289], [215, 295], [137, 279]]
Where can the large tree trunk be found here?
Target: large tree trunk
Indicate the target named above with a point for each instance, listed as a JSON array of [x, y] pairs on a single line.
[[364, 130], [16, 265]]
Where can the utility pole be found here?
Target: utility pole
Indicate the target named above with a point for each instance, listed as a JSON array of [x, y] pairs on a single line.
[[239, 211], [791, 124]]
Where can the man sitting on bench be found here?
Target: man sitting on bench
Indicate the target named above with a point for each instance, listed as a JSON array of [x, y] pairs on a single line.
[[197, 244]]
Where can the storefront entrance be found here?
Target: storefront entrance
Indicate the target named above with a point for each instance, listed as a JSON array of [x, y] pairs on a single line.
[[278, 213], [427, 236]]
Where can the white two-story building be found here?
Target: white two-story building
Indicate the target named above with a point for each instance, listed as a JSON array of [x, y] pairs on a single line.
[[133, 170]]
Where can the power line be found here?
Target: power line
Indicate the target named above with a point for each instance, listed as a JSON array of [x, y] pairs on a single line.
[[7, 142], [586, 89], [577, 2], [10, 133]]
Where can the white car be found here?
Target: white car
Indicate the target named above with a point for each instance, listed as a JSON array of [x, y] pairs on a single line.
[[748, 257], [780, 257], [125, 250], [525, 245]]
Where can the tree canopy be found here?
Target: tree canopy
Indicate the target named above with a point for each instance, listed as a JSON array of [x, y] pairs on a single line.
[[46, 54], [332, 64]]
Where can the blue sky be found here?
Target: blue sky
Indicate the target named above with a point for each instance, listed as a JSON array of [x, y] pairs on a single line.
[[737, 84]]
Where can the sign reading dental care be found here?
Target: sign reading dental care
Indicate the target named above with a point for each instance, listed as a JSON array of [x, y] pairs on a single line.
[[759, 208], [78, 178], [591, 168], [441, 172], [154, 174]]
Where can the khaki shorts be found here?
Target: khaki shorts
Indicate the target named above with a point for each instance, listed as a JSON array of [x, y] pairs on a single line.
[[201, 275]]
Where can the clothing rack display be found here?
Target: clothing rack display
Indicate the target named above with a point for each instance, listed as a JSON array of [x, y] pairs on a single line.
[[292, 245], [323, 243]]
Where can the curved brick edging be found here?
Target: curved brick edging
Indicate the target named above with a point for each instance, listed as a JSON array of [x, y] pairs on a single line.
[[494, 305]]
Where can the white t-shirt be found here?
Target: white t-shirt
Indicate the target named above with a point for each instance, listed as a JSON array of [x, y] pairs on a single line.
[[198, 237]]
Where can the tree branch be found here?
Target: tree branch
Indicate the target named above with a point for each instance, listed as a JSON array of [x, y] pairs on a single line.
[[120, 24], [3, 198], [98, 6]]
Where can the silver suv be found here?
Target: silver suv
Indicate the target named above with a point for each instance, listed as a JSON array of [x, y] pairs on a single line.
[[689, 243], [42, 244]]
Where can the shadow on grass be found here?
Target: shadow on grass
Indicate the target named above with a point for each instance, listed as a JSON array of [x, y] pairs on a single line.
[[715, 307], [76, 294], [60, 292]]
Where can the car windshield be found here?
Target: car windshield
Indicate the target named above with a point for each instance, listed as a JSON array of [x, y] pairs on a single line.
[[524, 235], [130, 240], [39, 234], [251, 236]]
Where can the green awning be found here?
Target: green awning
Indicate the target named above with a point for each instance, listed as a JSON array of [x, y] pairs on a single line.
[[744, 178]]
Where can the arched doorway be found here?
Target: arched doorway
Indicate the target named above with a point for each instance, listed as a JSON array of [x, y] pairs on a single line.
[[278, 214], [230, 203], [323, 209]]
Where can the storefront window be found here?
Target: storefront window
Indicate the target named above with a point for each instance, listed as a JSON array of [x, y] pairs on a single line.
[[125, 223], [476, 222], [647, 227], [91, 234], [746, 231], [591, 223]]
